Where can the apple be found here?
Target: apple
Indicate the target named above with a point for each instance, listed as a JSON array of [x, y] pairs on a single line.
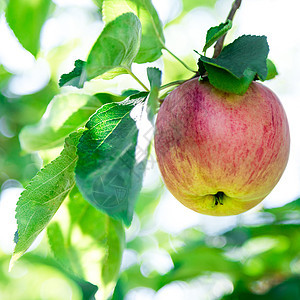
[[219, 153]]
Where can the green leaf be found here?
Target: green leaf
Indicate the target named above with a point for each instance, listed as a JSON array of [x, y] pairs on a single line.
[[65, 114], [189, 5], [154, 77], [247, 52], [44, 194], [214, 33], [90, 220], [63, 251], [108, 238], [284, 289], [4, 76], [41, 267], [26, 18], [152, 30], [290, 212], [76, 77], [272, 71], [57, 244], [99, 3], [129, 92], [132, 278], [105, 98], [2, 5], [147, 202], [225, 81], [201, 67], [111, 162], [190, 262], [193, 261], [28, 109], [116, 47], [111, 263], [243, 60]]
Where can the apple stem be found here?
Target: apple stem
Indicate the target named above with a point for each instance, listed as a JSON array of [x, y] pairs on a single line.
[[219, 196], [219, 45]]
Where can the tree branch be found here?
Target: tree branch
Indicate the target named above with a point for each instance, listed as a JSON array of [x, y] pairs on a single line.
[[219, 45]]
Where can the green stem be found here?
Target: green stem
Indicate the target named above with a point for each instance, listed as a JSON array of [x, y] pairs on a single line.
[[164, 46], [176, 57], [177, 82], [136, 79]]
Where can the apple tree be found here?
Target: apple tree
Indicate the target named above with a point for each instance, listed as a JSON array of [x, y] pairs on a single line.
[[81, 148]]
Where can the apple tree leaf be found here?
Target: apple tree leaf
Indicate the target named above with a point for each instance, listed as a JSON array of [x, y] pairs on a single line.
[[105, 98], [225, 81], [247, 52], [188, 6], [26, 19], [99, 3], [238, 64], [4, 76], [44, 194], [57, 244], [152, 40], [82, 212], [2, 5], [116, 47], [76, 77], [214, 33], [65, 114], [111, 162], [114, 247], [188, 263], [272, 71], [154, 77], [64, 252], [107, 237]]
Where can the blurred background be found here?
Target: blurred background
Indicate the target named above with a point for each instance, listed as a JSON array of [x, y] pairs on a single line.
[[172, 252]]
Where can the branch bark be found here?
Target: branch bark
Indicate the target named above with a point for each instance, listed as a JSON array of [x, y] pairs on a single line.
[[219, 45]]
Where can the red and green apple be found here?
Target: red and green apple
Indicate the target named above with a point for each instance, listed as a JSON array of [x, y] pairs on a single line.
[[220, 153]]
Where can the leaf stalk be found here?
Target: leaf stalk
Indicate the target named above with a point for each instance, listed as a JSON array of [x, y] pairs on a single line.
[[177, 58], [136, 79], [177, 82]]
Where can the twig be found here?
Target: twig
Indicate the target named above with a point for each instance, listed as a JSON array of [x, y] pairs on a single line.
[[219, 45]]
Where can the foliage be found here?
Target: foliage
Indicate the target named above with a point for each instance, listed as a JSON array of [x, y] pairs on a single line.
[[214, 33], [152, 38], [238, 64], [108, 173], [90, 198], [66, 113], [116, 47], [44, 195], [21, 14]]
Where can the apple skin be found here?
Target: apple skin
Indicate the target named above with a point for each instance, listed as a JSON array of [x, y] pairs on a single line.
[[221, 154]]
